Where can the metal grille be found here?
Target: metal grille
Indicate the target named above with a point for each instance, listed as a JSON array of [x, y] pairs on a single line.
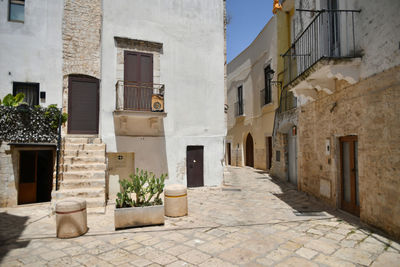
[[137, 96], [329, 35]]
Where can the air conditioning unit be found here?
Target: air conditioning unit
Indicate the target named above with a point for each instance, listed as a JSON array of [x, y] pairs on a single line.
[[157, 103]]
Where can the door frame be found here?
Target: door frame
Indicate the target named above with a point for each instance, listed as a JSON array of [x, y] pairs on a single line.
[[354, 209], [83, 78], [200, 147]]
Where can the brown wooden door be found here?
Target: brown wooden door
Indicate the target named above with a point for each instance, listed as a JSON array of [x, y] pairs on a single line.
[[194, 165], [27, 177], [269, 152], [83, 105], [138, 80], [35, 176], [349, 174], [249, 151]]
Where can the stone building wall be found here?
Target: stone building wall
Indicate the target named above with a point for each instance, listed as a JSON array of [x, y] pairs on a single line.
[[369, 109], [81, 35], [8, 192]]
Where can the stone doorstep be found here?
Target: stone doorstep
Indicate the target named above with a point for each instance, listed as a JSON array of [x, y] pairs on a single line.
[[86, 147], [69, 167], [80, 183], [84, 175], [80, 192], [83, 153]]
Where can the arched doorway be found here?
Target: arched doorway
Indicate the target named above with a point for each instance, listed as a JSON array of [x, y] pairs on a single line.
[[249, 151]]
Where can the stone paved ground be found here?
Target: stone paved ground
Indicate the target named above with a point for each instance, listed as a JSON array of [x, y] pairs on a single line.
[[252, 220]]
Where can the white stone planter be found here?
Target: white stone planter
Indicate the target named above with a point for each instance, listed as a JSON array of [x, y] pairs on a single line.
[[138, 216]]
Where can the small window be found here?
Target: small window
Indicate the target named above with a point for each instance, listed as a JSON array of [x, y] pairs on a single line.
[[239, 103], [30, 90], [16, 11], [268, 74], [278, 156]]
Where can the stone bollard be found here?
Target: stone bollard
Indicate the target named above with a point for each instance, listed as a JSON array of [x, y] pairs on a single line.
[[175, 200], [71, 217]]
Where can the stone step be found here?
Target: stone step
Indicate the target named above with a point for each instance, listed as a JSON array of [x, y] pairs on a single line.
[[96, 210], [84, 160], [87, 147], [86, 193], [84, 153], [84, 175], [81, 183], [84, 167], [82, 140]]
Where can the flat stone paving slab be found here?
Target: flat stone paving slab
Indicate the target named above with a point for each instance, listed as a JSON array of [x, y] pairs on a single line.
[[251, 220]]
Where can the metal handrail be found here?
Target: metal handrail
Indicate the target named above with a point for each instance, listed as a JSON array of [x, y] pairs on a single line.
[[330, 34], [58, 148]]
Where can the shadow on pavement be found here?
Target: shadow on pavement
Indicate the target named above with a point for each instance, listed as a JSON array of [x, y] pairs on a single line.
[[304, 204], [11, 228]]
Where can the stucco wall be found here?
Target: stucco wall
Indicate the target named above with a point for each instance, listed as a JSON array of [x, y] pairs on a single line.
[[370, 109], [247, 70], [32, 51], [191, 67]]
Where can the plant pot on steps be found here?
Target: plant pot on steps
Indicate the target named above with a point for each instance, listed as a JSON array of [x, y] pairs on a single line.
[[138, 216]]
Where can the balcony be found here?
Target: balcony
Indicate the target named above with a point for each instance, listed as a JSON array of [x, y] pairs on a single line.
[[139, 109], [324, 51]]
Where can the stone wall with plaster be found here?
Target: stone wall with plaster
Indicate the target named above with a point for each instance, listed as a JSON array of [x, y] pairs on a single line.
[[190, 63], [8, 185], [247, 70], [370, 110]]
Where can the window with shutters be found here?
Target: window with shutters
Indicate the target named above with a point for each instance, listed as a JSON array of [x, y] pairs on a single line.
[[30, 90], [16, 10]]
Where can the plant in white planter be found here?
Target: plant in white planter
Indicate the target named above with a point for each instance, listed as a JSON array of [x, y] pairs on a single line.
[[146, 208]]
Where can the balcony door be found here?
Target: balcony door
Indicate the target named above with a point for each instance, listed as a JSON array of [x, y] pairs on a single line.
[[330, 30], [138, 80]]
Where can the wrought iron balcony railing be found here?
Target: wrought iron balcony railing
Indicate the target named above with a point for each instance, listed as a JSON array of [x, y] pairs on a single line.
[[330, 34], [139, 96], [239, 108], [265, 96], [287, 101]]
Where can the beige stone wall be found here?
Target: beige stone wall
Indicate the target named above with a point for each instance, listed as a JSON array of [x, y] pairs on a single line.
[[369, 109], [81, 34], [8, 191]]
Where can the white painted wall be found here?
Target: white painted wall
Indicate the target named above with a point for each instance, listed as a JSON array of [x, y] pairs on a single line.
[[247, 69], [192, 69], [32, 51]]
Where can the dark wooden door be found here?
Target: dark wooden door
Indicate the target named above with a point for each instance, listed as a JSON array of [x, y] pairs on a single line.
[[249, 151], [269, 152], [35, 176], [83, 105], [228, 148], [27, 177], [138, 80], [194, 165], [349, 174]]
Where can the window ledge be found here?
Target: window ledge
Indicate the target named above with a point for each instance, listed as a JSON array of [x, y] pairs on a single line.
[[140, 113]]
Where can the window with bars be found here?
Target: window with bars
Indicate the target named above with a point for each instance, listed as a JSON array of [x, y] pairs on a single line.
[[16, 10]]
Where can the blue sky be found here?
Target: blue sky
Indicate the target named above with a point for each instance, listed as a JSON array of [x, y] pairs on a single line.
[[247, 18]]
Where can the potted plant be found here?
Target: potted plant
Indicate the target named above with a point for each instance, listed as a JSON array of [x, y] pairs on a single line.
[[139, 202]]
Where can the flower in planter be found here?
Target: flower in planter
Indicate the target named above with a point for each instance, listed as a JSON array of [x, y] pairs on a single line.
[[146, 186]]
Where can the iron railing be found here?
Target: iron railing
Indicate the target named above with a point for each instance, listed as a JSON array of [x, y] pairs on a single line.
[[330, 34], [58, 149], [239, 108], [137, 96]]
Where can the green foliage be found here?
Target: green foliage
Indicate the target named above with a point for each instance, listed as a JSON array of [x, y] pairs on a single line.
[[25, 124], [13, 101], [146, 187]]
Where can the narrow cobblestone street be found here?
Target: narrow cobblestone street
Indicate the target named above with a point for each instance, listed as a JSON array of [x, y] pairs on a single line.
[[252, 220]]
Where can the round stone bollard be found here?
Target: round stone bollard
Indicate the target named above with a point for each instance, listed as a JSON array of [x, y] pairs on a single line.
[[175, 200], [71, 217]]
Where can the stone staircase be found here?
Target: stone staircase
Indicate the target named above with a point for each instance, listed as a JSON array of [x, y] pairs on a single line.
[[83, 171]]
